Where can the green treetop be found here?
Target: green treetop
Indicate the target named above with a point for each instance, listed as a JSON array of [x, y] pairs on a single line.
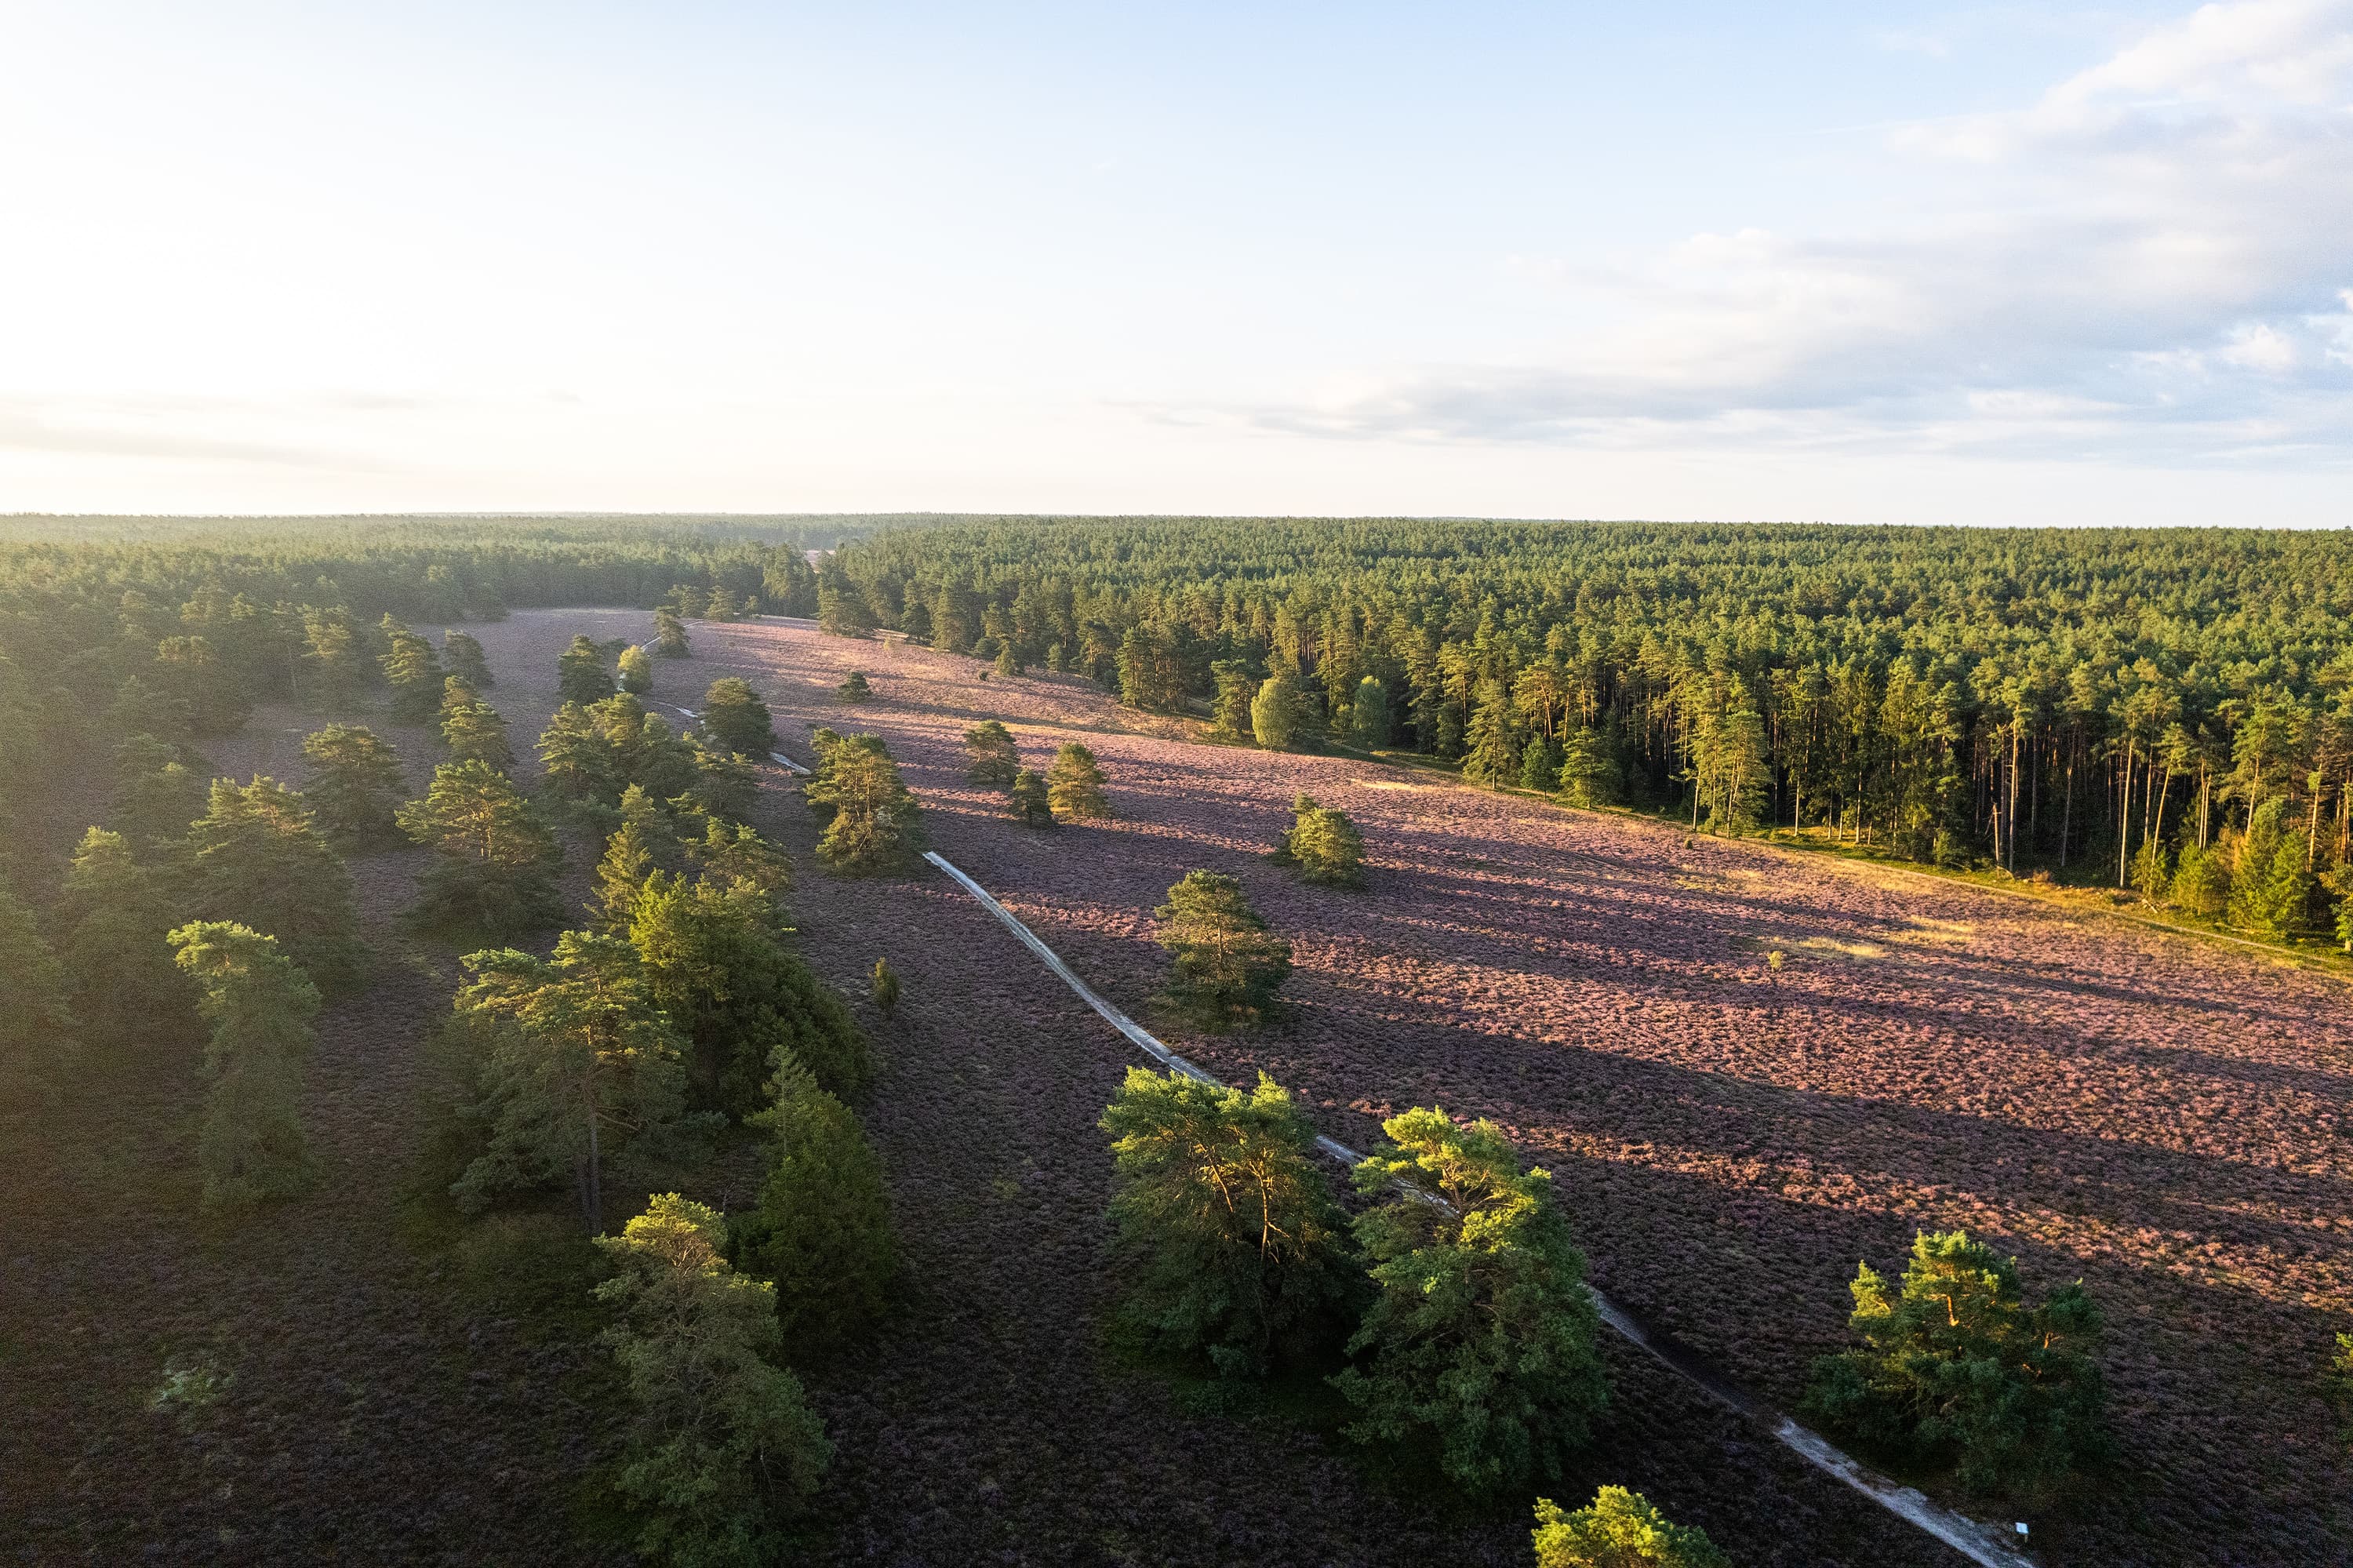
[[1227, 966], [991, 758], [1074, 785], [355, 786], [261, 1005]]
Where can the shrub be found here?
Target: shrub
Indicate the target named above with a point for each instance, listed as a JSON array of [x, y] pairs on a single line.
[[735, 718], [1227, 966], [1029, 800], [1955, 1366], [1620, 1528], [1074, 785], [637, 670], [1324, 845], [854, 688], [261, 1005], [2201, 882], [2336, 1387], [821, 1228], [721, 1443], [1233, 1248], [1482, 1338], [991, 758], [355, 786], [884, 988], [2151, 874]]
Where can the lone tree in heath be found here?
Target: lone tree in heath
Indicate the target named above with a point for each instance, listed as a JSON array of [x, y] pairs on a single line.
[[722, 1445], [735, 718], [1480, 1341], [1620, 1528], [637, 670], [1954, 1366], [991, 758], [1227, 966], [261, 1005], [1028, 799], [582, 673], [1233, 1249], [355, 786], [854, 688], [1074, 785], [874, 823], [1324, 845], [883, 987], [670, 635]]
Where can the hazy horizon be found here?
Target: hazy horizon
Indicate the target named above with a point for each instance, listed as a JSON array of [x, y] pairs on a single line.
[[1913, 265]]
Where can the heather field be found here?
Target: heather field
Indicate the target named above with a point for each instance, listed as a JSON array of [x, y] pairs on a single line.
[[2160, 1117]]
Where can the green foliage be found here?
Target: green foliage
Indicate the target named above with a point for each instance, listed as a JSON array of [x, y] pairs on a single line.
[[1008, 660], [334, 667], [1029, 800], [1277, 715], [1074, 785], [1324, 845], [412, 670], [192, 673], [991, 758], [1368, 715], [737, 858], [573, 1063], [1227, 965], [494, 874], [2271, 885], [883, 988], [622, 874], [583, 673], [637, 670], [854, 688], [1481, 1340], [722, 1444], [156, 795], [355, 786], [1955, 1366], [255, 858], [712, 959], [124, 982], [1233, 1249], [735, 718], [472, 729], [1230, 708], [462, 655], [2152, 876], [670, 635], [1492, 754], [1620, 1528], [822, 1227], [261, 1005], [1589, 768], [2201, 882], [872, 822], [36, 1024], [2336, 1387], [843, 609], [1540, 764]]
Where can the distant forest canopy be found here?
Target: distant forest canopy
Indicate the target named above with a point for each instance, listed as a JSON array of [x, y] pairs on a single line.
[[2042, 697]]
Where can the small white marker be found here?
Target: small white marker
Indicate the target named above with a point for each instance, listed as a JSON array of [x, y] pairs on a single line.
[[2022, 1527]]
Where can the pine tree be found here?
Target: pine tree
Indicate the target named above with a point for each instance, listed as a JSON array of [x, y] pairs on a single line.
[[156, 794], [576, 1062], [991, 758], [738, 859], [1491, 749], [1008, 662], [496, 860], [821, 1228], [1276, 715], [414, 673], [575, 759], [621, 877], [261, 1005], [36, 1024], [462, 655], [472, 729], [874, 823], [637, 670], [721, 1443], [1322, 843], [1227, 966], [1232, 1246], [723, 606], [735, 718], [2270, 885], [1074, 785], [1229, 710], [583, 674], [256, 859], [121, 972], [1620, 1528], [1955, 1365], [854, 688], [1589, 768], [670, 635], [334, 669], [1028, 798], [1540, 764], [1368, 715], [355, 785], [1482, 1338], [191, 671]]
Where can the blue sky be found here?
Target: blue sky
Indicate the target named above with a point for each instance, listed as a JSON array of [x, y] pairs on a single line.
[[1885, 263]]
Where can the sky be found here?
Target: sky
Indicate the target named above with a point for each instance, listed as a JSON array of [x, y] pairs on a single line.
[[1879, 263]]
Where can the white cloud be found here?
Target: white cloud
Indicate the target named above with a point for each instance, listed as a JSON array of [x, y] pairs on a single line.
[[2136, 264]]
